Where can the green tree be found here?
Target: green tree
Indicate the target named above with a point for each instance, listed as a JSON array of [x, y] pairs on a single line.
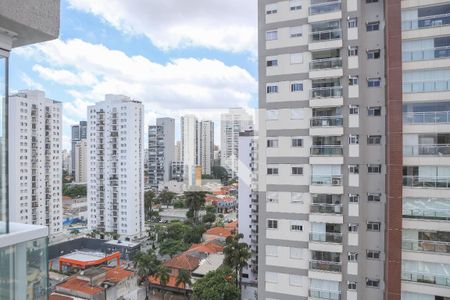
[[220, 173], [195, 201], [171, 247], [164, 276], [184, 279], [216, 285], [166, 197], [194, 234], [149, 198], [209, 218], [211, 209], [146, 265], [75, 190], [237, 255]]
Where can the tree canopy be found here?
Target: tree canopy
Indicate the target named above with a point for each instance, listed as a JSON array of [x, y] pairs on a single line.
[[216, 285]]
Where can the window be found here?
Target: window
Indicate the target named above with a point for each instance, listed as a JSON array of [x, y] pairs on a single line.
[[353, 139], [374, 197], [272, 143], [374, 82], [296, 58], [374, 111], [353, 227], [374, 283], [352, 22], [271, 35], [353, 80], [271, 9], [296, 197], [272, 197], [297, 171], [297, 142], [272, 277], [296, 87], [353, 198], [272, 171], [272, 62], [371, 1], [272, 89], [353, 51], [373, 226], [297, 114], [296, 253], [373, 254], [373, 54], [272, 224], [296, 31], [352, 256], [271, 250], [374, 169], [353, 169], [354, 109], [374, 140], [351, 285], [373, 26], [272, 115], [295, 280], [295, 5], [295, 226]]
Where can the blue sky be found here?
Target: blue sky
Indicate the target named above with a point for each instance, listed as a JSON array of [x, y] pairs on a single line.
[[176, 56]]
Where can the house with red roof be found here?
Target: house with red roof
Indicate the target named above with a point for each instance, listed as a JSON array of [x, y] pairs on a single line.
[[217, 233]]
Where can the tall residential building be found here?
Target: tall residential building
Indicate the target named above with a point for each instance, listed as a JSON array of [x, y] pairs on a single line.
[[35, 169], [81, 161], [78, 133], [66, 160], [233, 122], [116, 166], [425, 44], [189, 147], [161, 150], [178, 149], [330, 160], [248, 201], [23, 248], [206, 143]]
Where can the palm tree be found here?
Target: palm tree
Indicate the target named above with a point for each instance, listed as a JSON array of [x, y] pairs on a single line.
[[146, 264], [236, 256], [195, 201], [164, 275], [184, 277]]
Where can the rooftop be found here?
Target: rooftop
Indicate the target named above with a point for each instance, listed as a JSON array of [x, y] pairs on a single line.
[[19, 233], [211, 263], [183, 261], [219, 231], [84, 256], [208, 247]]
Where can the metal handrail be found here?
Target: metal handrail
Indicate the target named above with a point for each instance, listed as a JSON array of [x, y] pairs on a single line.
[[426, 54], [426, 278], [426, 182], [330, 180], [427, 150], [426, 246], [432, 117], [419, 23], [326, 237]]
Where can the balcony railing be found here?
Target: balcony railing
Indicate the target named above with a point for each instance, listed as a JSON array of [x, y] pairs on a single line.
[[426, 86], [324, 208], [324, 7], [426, 150], [326, 63], [331, 180], [442, 214], [326, 35], [326, 92], [322, 265], [434, 117], [426, 182], [426, 246], [326, 237], [329, 121], [426, 278], [426, 54], [327, 150], [426, 22], [324, 294]]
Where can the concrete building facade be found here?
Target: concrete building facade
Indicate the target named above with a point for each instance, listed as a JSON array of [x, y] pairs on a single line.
[[206, 143], [78, 133], [81, 161], [116, 166]]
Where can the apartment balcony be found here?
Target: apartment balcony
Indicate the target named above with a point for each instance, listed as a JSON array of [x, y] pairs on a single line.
[[415, 59], [427, 214], [426, 278], [326, 126], [425, 118], [425, 26], [426, 246], [327, 266], [324, 294], [325, 208], [326, 184], [426, 182], [326, 39], [326, 96], [326, 237], [326, 67], [430, 154]]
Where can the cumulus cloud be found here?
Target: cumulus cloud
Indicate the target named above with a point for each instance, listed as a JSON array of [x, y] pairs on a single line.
[[216, 24], [65, 77], [30, 83]]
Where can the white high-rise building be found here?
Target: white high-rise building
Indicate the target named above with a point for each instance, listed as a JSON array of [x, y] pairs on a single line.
[[81, 161], [233, 122], [35, 166], [116, 166], [206, 152], [189, 147]]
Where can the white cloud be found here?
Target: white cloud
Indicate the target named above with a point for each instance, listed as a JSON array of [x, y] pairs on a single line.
[[65, 77], [216, 24], [30, 83]]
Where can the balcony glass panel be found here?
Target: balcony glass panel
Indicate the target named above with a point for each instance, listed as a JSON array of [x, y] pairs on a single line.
[[426, 54], [426, 246], [426, 272], [432, 117], [426, 150], [326, 237], [327, 121], [426, 208], [3, 142], [331, 180], [328, 266], [324, 294], [426, 182], [426, 22], [326, 31], [426, 278], [326, 63], [324, 7]]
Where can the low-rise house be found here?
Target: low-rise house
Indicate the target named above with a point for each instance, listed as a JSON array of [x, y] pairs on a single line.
[[217, 233]]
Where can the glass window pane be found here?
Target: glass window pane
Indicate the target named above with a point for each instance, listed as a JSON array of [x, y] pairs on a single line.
[[3, 143]]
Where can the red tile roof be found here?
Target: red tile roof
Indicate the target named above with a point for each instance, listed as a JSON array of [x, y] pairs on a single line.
[[117, 274], [208, 247], [232, 225], [183, 261], [82, 286], [59, 297], [219, 231], [171, 283]]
